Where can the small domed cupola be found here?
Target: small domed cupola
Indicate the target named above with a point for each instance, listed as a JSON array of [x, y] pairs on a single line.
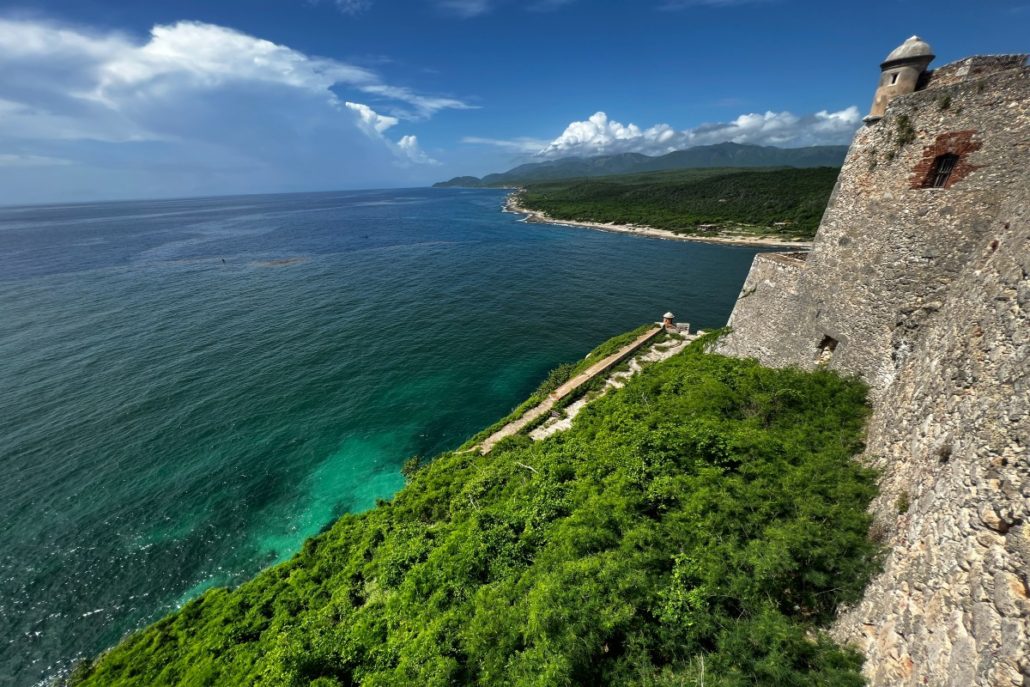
[[914, 48], [899, 74]]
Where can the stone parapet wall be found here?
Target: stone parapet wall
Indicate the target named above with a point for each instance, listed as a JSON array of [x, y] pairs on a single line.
[[972, 68], [579, 381], [924, 294]]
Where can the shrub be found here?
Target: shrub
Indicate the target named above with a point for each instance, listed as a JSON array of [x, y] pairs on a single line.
[[705, 519]]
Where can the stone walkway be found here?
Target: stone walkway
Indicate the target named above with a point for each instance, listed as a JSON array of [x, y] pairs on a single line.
[[616, 380], [585, 377]]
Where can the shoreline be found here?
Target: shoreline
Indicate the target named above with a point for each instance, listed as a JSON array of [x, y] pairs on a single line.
[[511, 205]]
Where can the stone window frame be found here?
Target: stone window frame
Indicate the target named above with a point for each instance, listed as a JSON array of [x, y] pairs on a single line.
[[962, 144]]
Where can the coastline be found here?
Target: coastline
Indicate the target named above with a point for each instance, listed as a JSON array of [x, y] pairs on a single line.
[[511, 205]]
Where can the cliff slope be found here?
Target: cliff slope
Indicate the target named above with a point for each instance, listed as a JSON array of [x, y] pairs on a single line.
[[701, 523]]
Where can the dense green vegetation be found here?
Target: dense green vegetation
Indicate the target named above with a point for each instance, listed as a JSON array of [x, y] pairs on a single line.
[[787, 202], [704, 520]]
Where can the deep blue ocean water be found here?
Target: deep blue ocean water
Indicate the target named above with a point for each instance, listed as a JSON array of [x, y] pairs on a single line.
[[189, 388]]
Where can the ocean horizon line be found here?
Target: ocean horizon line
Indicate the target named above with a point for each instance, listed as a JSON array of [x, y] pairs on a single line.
[[221, 196]]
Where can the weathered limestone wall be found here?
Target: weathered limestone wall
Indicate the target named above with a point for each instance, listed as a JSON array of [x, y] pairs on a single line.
[[950, 437], [885, 251], [772, 280], [926, 291]]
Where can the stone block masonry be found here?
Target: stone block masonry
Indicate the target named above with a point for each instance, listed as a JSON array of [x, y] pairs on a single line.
[[773, 280], [886, 252], [950, 438], [923, 292]]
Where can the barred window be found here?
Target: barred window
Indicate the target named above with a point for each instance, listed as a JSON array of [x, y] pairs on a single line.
[[942, 168]]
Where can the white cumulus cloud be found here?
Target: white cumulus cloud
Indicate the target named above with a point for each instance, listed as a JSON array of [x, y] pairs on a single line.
[[409, 146], [243, 113], [371, 121], [374, 125], [113, 70], [599, 135], [209, 56], [783, 129]]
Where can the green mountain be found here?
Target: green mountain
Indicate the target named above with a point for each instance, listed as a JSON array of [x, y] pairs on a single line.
[[718, 155]]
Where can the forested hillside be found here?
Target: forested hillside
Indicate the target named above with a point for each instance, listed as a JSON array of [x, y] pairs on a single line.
[[787, 202], [706, 519]]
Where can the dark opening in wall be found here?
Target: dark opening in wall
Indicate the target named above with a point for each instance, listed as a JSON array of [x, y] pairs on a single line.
[[946, 161], [826, 348], [940, 172]]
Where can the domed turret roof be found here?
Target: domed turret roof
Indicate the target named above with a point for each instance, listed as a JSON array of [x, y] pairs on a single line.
[[914, 47]]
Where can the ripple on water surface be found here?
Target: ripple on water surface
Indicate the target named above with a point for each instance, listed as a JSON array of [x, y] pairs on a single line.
[[189, 388]]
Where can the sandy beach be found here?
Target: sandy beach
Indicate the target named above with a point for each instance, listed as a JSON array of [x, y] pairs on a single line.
[[511, 204]]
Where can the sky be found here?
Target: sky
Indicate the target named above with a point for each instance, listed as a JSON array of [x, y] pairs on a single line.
[[129, 99]]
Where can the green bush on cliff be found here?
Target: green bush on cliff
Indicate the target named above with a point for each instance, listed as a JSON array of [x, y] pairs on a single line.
[[707, 518]]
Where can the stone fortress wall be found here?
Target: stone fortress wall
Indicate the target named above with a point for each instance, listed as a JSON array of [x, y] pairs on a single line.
[[924, 293]]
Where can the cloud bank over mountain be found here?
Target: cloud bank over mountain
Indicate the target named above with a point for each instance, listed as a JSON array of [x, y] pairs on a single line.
[[599, 135]]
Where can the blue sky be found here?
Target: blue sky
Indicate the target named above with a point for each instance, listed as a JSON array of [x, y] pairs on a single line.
[[143, 99]]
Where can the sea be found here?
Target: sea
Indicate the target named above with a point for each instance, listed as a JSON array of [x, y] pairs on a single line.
[[190, 388]]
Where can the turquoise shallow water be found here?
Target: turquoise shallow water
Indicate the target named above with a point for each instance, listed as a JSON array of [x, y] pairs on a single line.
[[190, 388]]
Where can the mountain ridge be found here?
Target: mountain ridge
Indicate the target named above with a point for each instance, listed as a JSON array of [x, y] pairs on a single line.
[[716, 155]]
